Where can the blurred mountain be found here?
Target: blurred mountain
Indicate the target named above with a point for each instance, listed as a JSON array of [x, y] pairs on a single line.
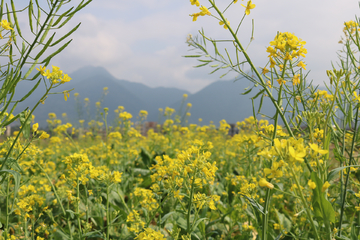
[[219, 100], [223, 100]]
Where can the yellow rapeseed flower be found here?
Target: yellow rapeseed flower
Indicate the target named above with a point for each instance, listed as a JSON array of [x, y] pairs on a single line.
[[302, 64], [312, 184], [6, 25], [248, 7], [325, 186], [195, 2], [264, 183]]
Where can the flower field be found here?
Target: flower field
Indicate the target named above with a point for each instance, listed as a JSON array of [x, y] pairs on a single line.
[[178, 182], [291, 175]]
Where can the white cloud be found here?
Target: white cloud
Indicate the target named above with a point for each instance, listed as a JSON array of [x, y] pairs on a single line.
[[148, 48]]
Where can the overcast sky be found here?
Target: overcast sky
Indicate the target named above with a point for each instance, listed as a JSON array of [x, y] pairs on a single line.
[[144, 40]]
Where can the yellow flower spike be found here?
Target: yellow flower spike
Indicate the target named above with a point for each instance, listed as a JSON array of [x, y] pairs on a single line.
[[264, 183], [248, 7], [325, 186], [312, 184]]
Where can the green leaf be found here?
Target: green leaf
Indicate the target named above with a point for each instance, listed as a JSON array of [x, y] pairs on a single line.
[[30, 92], [66, 35], [166, 216], [192, 56], [15, 18], [47, 44], [224, 75], [30, 70], [214, 70], [201, 65], [322, 207], [198, 221], [141, 171], [72, 213], [254, 203], [47, 60], [284, 221], [335, 171], [145, 157], [246, 92], [181, 222], [353, 232], [42, 39], [61, 16], [30, 11], [17, 178]]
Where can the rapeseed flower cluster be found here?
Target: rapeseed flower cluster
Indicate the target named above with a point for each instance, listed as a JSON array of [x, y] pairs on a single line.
[[286, 46], [56, 75]]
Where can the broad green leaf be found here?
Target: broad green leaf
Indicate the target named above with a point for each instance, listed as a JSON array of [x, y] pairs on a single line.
[[197, 222], [166, 216], [322, 207], [145, 157]]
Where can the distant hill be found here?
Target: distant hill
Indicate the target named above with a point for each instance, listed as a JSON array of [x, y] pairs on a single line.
[[219, 100], [89, 82], [223, 100]]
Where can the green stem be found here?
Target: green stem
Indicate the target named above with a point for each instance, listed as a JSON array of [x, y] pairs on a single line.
[[69, 223], [53, 188], [266, 214], [7, 208], [254, 69], [20, 130], [348, 171], [107, 214], [308, 213], [190, 203], [78, 207]]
